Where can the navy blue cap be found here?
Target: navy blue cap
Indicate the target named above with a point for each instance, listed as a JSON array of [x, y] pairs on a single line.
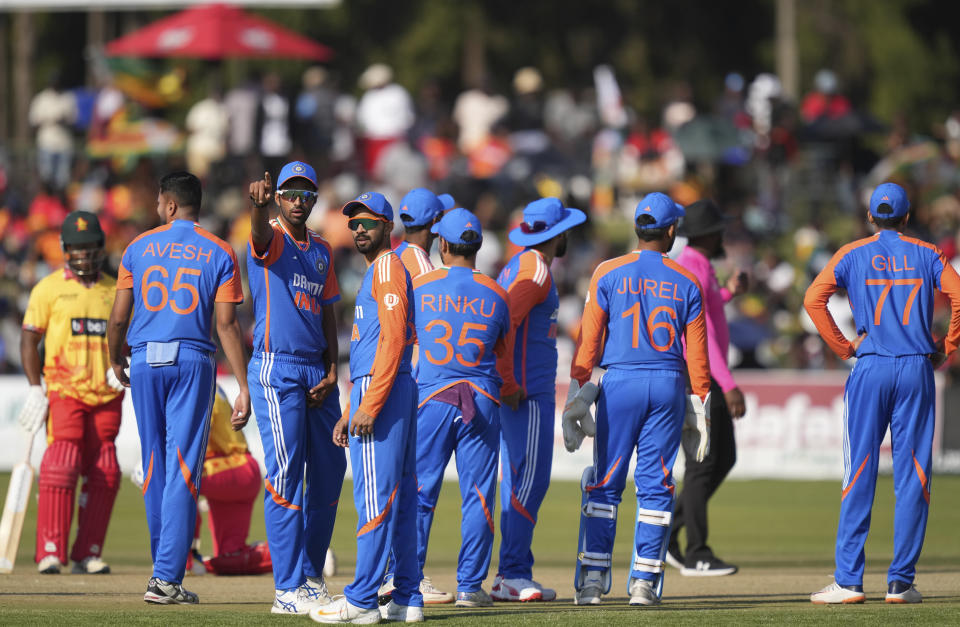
[[455, 223], [889, 194], [447, 201], [544, 219], [420, 206], [663, 209], [373, 202], [296, 169]]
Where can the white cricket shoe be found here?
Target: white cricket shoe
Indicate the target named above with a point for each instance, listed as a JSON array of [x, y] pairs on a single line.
[[49, 565], [642, 592], [340, 610], [474, 598], [521, 590], [301, 600], [401, 613], [591, 591], [835, 593], [316, 589], [431, 595], [386, 587], [900, 592], [91, 566]]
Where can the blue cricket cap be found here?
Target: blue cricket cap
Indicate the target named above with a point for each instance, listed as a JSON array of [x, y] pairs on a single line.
[[373, 202], [663, 209], [544, 219], [894, 197], [297, 169], [447, 201], [420, 206], [455, 224]]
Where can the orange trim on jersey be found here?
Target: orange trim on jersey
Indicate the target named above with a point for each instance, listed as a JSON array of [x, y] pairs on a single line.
[[450, 385], [591, 488], [279, 500], [430, 277], [231, 290], [922, 476], [698, 354], [376, 522], [846, 490], [666, 477], [187, 476], [820, 291], [304, 245], [266, 326], [124, 278], [415, 260], [146, 481], [950, 286], [486, 511], [489, 283], [274, 248], [518, 506]]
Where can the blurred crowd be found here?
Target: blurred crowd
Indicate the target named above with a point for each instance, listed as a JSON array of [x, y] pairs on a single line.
[[793, 175]]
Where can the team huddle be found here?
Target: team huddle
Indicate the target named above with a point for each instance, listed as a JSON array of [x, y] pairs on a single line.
[[446, 361]]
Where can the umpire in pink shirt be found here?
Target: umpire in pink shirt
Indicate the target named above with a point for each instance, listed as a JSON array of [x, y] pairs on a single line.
[[703, 226]]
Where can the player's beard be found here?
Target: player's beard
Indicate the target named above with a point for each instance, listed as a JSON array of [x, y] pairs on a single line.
[[373, 240]]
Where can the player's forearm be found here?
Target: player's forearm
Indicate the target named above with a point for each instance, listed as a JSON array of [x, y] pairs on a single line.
[[231, 339], [815, 303], [30, 356], [260, 230]]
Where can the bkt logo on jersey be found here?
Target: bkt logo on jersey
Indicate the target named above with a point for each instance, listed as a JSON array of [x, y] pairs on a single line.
[[89, 326]]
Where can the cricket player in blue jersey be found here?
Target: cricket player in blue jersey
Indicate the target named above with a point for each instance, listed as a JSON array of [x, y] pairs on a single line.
[[380, 427], [890, 281], [465, 369], [419, 210], [293, 379], [527, 431], [176, 279], [638, 308]]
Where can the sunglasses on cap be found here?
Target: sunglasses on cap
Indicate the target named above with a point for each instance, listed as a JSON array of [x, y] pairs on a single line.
[[291, 195], [537, 227], [368, 224]]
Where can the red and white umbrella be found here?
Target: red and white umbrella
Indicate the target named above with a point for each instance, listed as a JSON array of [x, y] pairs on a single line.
[[216, 31]]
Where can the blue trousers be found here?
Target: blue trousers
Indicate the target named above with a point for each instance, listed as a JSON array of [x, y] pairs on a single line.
[[527, 444], [440, 432], [385, 495], [172, 404], [304, 467], [642, 410], [882, 391]]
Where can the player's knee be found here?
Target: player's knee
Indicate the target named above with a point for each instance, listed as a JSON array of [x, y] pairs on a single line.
[[60, 466], [106, 470]]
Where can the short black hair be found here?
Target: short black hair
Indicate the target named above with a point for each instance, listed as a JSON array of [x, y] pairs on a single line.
[[415, 228], [888, 223], [649, 235], [470, 248], [185, 189]]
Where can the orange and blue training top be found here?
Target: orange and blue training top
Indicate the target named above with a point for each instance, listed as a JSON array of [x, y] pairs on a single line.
[[889, 279], [177, 271], [381, 342], [415, 259], [290, 283], [638, 308], [464, 333], [534, 306]]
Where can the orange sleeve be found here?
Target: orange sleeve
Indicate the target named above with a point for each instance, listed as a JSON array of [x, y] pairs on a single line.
[[503, 349], [124, 278], [815, 302], [593, 327], [231, 290], [274, 249], [529, 289], [950, 285], [390, 291], [698, 361], [415, 262]]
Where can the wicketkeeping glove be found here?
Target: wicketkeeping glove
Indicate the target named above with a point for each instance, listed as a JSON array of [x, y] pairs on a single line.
[[34, 411], [577, 421], [696, 428]]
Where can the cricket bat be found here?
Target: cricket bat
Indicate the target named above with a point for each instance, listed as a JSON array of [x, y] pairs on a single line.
[[14, 511]]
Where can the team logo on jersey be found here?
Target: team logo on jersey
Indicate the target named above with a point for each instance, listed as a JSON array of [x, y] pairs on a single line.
[[321, 265], [391, 300], [89, 326]]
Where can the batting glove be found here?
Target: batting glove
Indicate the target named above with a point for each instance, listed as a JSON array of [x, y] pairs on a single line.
[[577, 422], [696, 428], [113, 381], [34, 411]]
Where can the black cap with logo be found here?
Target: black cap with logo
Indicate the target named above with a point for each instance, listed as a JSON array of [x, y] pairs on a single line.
[[81, 227]]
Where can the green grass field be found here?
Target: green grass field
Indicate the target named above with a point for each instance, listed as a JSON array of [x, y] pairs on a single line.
[[780, 533]]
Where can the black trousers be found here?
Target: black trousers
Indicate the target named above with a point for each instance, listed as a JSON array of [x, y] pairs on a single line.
[[702, 479]]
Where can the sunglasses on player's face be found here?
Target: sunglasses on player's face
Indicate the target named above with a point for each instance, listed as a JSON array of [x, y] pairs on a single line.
[[368, 224], [291, 195]]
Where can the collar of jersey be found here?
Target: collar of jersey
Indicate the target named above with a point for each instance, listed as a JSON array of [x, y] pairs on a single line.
[[301, 245], [68, 275], [388, 251], [420, 248]]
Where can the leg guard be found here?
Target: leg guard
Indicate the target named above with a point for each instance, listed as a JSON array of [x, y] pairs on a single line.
[[57, 484], [97, 496], [251, 560], [587, 559], [654, 566]]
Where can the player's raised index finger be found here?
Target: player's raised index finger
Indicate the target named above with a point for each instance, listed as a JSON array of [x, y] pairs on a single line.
[[266, 180]]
